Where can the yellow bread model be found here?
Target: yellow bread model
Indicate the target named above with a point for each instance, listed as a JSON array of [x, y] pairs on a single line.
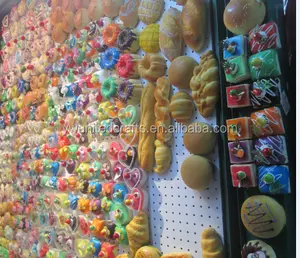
[[263, 216], [150, 10], [196, 172], [149, 38], [129, 13], [147, 134], [138, 232], [200, 139], [170, 34], [181, 71], [151, 67], [124, 256], [177, 255], [194, 18], [241, 16], [205, 84], [163, 157], [181, 107], [148, 252], [211, 244]]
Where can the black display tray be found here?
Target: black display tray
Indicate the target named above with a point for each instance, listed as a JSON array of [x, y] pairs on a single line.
[[235, 234]]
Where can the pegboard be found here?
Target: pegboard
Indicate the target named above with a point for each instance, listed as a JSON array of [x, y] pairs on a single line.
[[177, 214]]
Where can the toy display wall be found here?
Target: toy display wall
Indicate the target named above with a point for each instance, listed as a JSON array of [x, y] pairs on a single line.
[[79, 176]]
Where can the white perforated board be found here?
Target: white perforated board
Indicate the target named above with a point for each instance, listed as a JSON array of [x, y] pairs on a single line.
[[177, 214]]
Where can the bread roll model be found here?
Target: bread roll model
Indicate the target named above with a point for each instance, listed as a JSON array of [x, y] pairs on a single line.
[[196, 172], [111, 8], [148, 251], [205, 84], [181, 71], [151, 67], [138, 232], [211, 244], [181, 107], [150, 10], [58, 33], [170, 34], [147, 134], [129, 13], [95, 10], [194, 18], [163, 157], [263, 216], [257, 248], [200, 138], [177, 255], [81, 18], [124, 256], [241, 16]]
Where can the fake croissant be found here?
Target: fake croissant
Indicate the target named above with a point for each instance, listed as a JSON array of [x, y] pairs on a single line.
[[211, 244], [163, 156], [138, 232], [205, 84]]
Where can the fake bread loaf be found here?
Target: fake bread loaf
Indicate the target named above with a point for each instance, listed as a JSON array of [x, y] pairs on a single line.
[[129, 13], [177, 255], [161, 109], [211, 244], [150, 10], [194, 18], [170, 34], [138, 232], [257, 248], [147, 136], [181, 107], [163, 157], [148, 251], [205, 84]]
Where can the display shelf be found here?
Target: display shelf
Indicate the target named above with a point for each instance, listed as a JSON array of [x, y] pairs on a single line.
[[177, 214], [235, 234]]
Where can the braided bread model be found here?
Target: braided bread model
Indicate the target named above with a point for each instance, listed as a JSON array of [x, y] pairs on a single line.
[[163, 120], [146, 136], [205, 84], [138, 232]]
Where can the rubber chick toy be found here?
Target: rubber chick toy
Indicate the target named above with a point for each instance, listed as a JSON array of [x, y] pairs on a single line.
[[108, 251]]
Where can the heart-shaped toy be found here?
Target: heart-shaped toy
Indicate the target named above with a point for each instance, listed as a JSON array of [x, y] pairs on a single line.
[[129, 135], [129, 115], [134, 178], [127, 157]]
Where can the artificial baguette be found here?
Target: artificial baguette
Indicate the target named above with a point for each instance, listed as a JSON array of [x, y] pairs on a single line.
[[177, 255], [170, 34], [147, 134], [205, 84], [194, 18]]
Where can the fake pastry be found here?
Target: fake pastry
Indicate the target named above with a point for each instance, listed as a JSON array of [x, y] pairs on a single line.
[[201, 139], [267, 122], [81, 19], [149, 251], [181, 107], [58, 33], [130, 91], [177, 255], [239, 129], [170, 34], [181, 71], [211, 244], [263, 216], [151, 67], [240, 152], [235, 46], [264, 37], [110, 34], [149, 38], [129, 13], [196, 172], [128, 41], [68, 22], [163, 157], [111, 8], [68, 6], [240, 16], [95, 10], [194, 18], [236, 69], [238, 96], [205, 84], [163, 119], [147, 138], [274, 179], [257, 248], [138, 232], [243, 175], [127, 66], [150, 10]]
